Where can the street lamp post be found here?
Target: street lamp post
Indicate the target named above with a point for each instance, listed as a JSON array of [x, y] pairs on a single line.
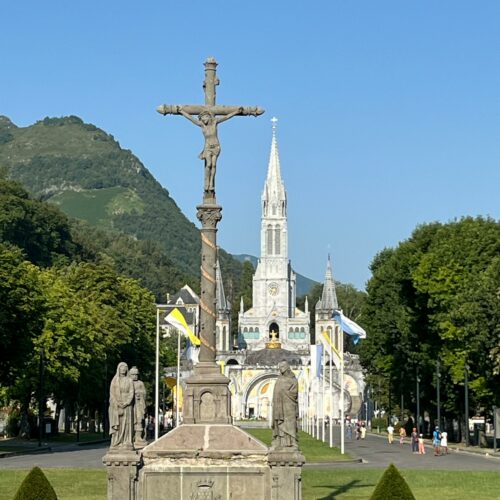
[[466, 388], [495, 423], [438, 394], [41, 399], [418, 402]]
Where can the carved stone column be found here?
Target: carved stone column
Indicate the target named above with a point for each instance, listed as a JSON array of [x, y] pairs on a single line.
[[207, 395]]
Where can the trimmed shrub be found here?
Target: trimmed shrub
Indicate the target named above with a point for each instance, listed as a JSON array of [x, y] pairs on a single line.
[[392, 486], [35, 487]]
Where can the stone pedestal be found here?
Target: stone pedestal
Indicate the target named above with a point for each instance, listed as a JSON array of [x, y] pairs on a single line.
[[123, 473], [286, 471], [213, 461], [207, 399]]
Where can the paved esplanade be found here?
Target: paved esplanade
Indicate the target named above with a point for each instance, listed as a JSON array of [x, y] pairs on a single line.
[[374, 450]]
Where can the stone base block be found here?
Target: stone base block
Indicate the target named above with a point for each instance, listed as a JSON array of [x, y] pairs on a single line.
[[205, 479], [122, 468], [213, 462], [286, 474]]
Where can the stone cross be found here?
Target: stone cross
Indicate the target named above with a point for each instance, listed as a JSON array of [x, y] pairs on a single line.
[[209, 116], [209, 213]]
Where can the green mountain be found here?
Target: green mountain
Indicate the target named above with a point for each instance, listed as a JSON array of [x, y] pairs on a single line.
[[84, 171], [304, 285]]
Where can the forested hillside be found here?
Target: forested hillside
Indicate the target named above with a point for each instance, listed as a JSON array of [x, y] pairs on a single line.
[[85, 171], [65, 305]]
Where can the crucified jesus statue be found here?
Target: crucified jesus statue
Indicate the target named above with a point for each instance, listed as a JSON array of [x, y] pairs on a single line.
[[207, 117], [208, 123]]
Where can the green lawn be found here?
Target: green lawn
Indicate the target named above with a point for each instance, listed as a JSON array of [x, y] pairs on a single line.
[[313, 450], [357, 484], [69, 484], [71, 437], [352, 484]]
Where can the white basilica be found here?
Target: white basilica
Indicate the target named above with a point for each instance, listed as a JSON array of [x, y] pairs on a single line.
[[273, 313], [274, 329]]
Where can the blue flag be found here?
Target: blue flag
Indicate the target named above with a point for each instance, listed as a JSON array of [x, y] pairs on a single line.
[[349, 326]]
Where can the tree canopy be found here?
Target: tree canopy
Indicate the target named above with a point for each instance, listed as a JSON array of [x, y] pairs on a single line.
[[436, 297], [63, 300]]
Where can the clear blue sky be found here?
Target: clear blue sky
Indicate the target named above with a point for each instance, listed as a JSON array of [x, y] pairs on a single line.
[[389, 110]]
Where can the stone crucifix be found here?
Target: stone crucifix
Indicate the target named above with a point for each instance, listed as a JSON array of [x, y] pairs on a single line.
[[208, 117]]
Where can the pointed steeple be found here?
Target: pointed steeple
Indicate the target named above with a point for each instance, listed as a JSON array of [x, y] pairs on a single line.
[[274, 195], [273, 169], [328, 300], [222, 303]]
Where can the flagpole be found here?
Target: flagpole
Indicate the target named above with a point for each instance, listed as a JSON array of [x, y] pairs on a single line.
[[341, 343], [331, 392], [323, 397], [317, 407], [157, 375], [177, 388]]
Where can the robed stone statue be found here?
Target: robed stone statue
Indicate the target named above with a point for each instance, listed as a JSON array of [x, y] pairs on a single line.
[[285, 409], [121, 406], [139, 408]]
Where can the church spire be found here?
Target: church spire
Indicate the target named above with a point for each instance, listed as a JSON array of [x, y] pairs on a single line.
[[273, 169], [222, 303], [329, 296], [274, 195]]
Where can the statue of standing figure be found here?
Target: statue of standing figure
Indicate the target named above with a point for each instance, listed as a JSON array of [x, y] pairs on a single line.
[[121, 401], [139, 408], [285, 409]]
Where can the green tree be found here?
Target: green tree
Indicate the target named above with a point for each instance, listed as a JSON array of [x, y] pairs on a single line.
[[21, 308], [435, 297]]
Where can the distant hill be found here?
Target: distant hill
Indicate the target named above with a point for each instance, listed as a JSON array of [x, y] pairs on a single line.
[[84, 171], [304, 285]]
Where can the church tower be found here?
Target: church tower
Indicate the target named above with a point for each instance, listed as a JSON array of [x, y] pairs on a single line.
[[274, 313], [223, 322], [326, 306]]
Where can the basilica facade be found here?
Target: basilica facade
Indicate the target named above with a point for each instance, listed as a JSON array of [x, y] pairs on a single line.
[[274, 328]]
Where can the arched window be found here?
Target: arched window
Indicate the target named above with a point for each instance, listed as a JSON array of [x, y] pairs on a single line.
[[250, 329], [277, 240], [269, 240]]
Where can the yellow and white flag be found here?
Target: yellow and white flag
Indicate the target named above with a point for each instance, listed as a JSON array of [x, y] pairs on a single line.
[[176, 319]]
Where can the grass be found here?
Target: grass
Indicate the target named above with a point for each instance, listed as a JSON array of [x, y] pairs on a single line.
[[17, 444], [69, 484], [357, 484], [97, 205], [341, 484], [71, 437], [312, 449]]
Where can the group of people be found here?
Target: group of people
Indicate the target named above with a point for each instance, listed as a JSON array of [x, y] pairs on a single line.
[[439, 440], [360, 429]]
